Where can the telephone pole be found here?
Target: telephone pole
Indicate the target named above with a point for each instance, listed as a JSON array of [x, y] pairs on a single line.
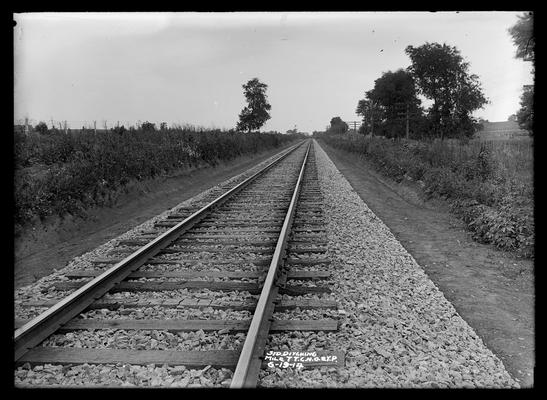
[[354, 124]]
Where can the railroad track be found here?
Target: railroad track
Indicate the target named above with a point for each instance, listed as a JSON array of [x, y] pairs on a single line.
[[256, 249]]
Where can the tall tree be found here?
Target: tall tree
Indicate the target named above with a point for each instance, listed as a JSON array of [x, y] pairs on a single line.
[[337, 125], [525, 116], [442, 75], [393, 92], [255, 114], [523, 37]]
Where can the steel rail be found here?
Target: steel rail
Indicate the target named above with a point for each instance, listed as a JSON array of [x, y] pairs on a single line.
[[39, 328], [249, 362]]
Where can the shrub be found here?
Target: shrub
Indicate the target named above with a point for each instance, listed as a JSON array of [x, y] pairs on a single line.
[[41, 128], [59, 174], [489, 185]]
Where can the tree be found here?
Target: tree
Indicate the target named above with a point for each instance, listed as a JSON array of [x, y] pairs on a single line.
[[41, 128], [525, 116], [255, 114], [523, 37], [148, 126], [362, 107], [370, 112], [337, 126], [120, 130], [442, 75], [163, 126], [512, 118], [394, 95]]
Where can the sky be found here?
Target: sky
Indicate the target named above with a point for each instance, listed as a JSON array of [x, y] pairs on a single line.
[[189, 68]]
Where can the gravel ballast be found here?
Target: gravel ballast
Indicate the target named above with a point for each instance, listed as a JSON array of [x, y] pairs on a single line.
[[396, 327]]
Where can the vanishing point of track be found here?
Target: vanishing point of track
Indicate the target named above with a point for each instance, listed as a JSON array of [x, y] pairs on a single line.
[[256, 237]]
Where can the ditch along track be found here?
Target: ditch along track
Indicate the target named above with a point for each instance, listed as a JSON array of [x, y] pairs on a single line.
[[257, 248]]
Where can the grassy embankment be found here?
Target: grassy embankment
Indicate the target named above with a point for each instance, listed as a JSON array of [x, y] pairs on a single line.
[[59, 174], [489, 184]]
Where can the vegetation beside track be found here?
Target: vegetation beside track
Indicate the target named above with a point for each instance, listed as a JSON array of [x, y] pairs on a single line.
[[59, 173], [488, 184]]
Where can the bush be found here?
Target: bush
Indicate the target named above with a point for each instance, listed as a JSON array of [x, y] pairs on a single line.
[[41, 128], [59, 174], [488, 185]]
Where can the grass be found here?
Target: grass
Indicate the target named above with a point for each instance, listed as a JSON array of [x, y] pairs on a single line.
[[58, 174], [489, 184]]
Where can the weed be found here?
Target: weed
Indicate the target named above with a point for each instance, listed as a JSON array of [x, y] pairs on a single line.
[[59, 174], [488, 184]]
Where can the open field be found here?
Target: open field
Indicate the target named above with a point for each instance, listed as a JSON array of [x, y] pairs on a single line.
[[489, 184], [502, 130]]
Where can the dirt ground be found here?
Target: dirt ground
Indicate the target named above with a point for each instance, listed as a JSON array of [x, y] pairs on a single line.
[[39, 251], [492, 290]]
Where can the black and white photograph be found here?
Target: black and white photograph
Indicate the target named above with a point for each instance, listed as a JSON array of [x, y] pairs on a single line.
[[273, 200]]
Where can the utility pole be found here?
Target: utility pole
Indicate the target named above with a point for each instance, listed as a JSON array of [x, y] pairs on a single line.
[[95, 127], [66, 127], [352, 123]]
